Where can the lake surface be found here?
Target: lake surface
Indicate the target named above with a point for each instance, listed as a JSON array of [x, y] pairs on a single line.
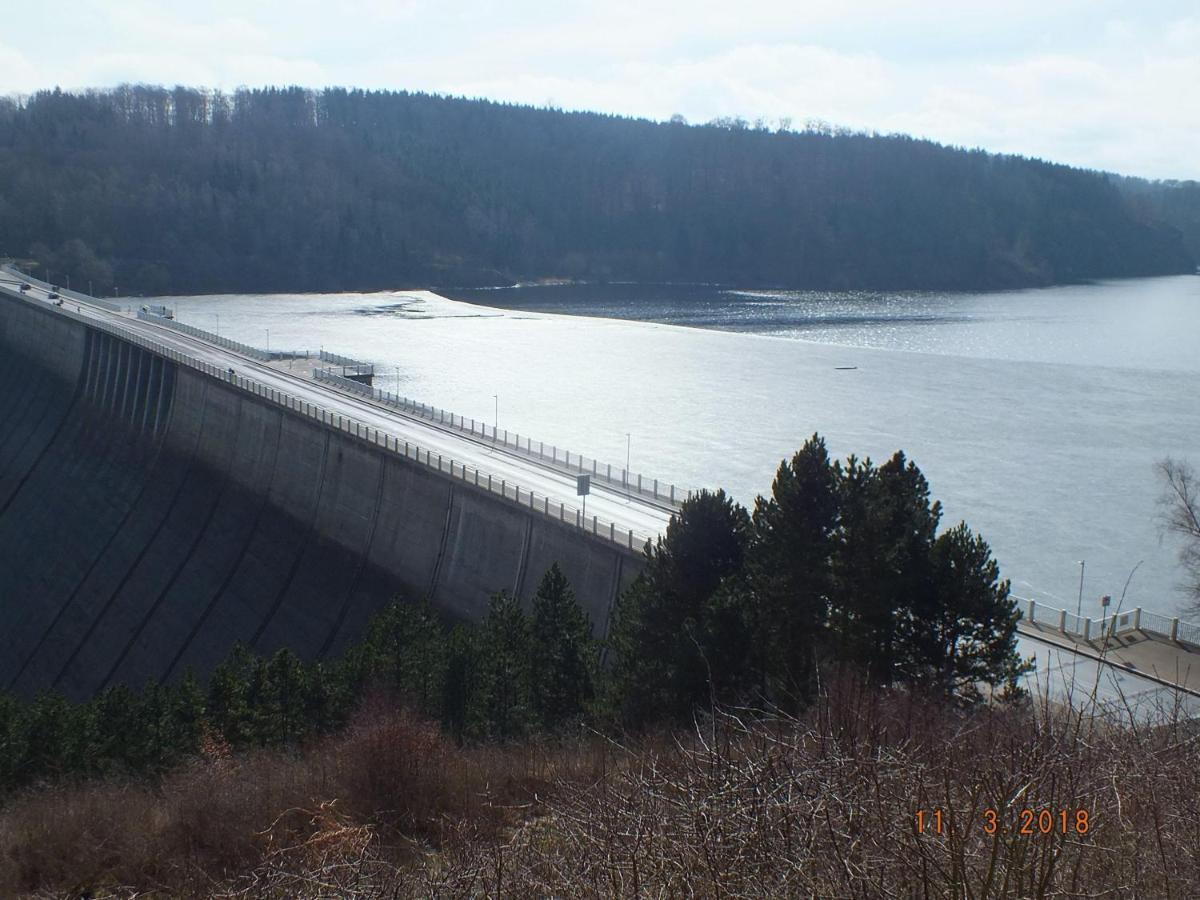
[[1148, 323], [1037, 416]]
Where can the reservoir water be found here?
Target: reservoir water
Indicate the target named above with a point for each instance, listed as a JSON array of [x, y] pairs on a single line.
[[1038, 416]]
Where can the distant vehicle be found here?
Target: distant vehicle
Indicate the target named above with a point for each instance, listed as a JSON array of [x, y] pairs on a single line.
[[25, 285], [53, 295]]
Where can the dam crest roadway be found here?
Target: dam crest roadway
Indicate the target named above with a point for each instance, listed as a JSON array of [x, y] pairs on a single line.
[[165, 493]]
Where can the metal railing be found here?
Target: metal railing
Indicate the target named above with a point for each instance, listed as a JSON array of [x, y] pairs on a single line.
[[348, 366], [210, 337], [64, 292], [1088, 629], [538, 504], [615, 477], [1188, 633]]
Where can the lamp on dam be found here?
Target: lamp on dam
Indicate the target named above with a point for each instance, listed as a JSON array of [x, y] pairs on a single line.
[[1079, 604]]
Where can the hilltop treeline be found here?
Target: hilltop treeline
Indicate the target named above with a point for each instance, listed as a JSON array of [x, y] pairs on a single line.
[[153, 190]]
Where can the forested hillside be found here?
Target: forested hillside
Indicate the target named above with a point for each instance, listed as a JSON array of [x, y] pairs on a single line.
[[1176, 203], [157, 191]]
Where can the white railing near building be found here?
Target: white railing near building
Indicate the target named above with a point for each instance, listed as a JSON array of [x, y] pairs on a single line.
[[346, 364], [1089, 629]]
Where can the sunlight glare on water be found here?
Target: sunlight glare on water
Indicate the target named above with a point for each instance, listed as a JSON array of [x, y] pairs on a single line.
[[1038, 416]]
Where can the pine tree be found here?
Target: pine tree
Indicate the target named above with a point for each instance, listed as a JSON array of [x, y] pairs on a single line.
[[663, 665], [791, 569], [115, 711], [462, 681], [281, 707], [54, 740], [406, 649], [13, 731], [261, 727], [327, 698], [881, 561], [966, 634], [730, 634], [503, 703], [562, 653], [228, 701], [186, 712], [153, 728]]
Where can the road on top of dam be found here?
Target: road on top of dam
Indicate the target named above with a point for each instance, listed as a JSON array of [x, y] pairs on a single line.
[[645, 519]]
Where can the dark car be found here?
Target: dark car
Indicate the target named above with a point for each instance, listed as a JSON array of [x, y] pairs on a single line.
[[53, 295], [25, 285]]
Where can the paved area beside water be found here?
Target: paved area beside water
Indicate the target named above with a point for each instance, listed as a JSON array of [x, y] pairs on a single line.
[[1173, 664]]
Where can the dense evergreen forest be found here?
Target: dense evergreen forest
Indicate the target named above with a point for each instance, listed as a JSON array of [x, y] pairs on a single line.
[[145, 189]]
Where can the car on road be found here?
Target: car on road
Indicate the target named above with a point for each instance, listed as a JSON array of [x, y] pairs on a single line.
[[25, 285], [53, 295]]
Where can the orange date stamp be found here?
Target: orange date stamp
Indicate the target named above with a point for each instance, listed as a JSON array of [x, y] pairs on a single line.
[[1028, 821]]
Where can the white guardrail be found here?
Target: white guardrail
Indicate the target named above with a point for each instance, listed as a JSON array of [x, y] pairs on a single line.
[[357, 367], [193, 331], [540, 505], [1088, 629], [548, 454]]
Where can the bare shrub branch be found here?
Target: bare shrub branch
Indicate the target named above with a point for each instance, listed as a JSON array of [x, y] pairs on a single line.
[[1180, 505]]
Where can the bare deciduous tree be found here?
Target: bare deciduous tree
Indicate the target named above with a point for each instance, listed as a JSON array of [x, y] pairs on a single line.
[[1180, 503]]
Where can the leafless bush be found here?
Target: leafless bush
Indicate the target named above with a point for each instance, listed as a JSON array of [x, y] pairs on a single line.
[[826, 806], [740, 805], [1180, 504]]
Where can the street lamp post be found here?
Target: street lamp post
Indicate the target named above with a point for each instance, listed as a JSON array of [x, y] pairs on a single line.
[[1079, 605], [628, 442], [496, 421]]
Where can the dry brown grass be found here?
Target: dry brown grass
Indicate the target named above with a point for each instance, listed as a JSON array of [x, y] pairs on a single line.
[[818, 806], [390, 780]]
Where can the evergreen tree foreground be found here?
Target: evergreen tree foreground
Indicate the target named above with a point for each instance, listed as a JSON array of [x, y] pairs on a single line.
[[841, 563]]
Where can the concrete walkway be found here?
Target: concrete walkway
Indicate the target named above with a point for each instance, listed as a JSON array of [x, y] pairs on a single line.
[[1172, 664]]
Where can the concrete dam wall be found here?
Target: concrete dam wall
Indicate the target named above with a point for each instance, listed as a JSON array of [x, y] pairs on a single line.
[[151, 515]]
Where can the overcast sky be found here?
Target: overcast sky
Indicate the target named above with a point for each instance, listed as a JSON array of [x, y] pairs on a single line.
[[1100, 84]]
